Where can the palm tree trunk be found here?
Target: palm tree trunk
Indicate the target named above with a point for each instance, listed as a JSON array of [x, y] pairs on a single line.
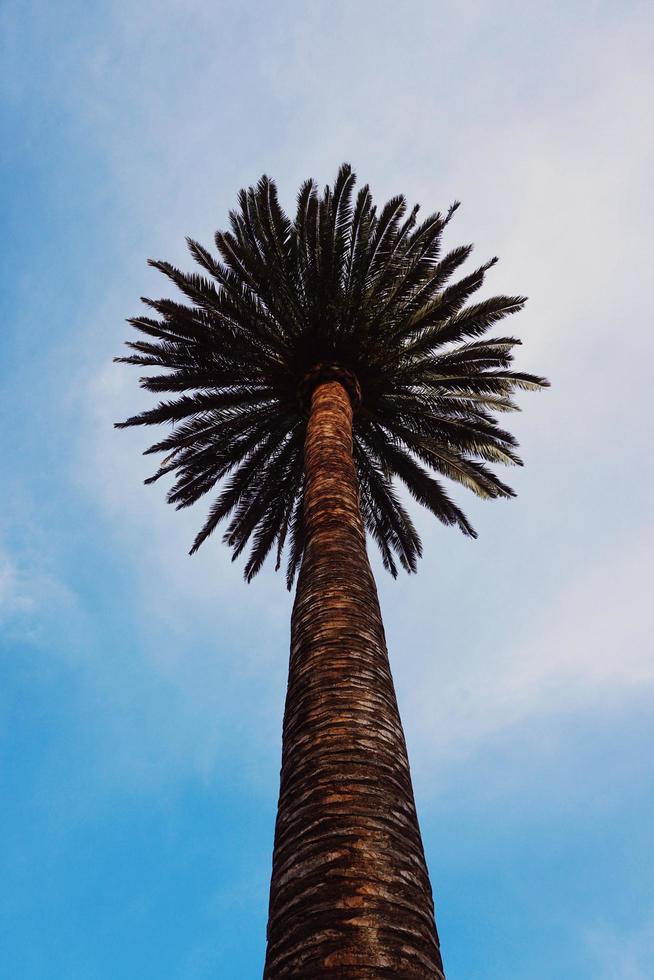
[[350, 896]]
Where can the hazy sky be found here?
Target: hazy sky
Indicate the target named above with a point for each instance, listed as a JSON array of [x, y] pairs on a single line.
[[142, 690]]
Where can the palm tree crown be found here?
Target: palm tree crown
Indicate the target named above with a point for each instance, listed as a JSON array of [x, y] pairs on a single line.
[[340, 292]]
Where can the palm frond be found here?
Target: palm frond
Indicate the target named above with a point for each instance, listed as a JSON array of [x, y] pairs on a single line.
[[366, 292]]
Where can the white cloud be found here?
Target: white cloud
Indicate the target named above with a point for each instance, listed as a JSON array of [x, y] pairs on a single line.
[[622, 955], [590, 644], [14, 592], [111, 467], [545, 144], [27, 592]]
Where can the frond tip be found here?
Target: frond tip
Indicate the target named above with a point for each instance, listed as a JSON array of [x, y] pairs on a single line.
[[346, 284]]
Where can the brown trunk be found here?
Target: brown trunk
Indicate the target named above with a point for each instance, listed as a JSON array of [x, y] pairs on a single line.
[[350, 896]]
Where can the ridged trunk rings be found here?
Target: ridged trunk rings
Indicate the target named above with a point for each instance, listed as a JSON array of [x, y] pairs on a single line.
[[350, 896]]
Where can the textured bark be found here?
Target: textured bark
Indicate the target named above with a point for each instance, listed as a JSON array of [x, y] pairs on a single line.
[[350, 896]]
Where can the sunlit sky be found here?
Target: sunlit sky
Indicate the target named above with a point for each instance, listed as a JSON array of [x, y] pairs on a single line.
[[142, 690]]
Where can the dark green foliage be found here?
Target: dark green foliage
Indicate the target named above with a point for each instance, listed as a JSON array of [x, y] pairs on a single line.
[[340, 291]]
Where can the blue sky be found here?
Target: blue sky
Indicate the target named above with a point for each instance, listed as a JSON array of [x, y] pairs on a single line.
[[140, 709]]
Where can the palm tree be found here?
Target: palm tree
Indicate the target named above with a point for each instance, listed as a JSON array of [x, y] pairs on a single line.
[[316, 361]]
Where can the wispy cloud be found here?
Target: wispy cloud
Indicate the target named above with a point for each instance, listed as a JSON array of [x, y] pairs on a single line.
[[134, 125], [29, 592], [626, 954], [558, 193], [553, 177], [587, 646]]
